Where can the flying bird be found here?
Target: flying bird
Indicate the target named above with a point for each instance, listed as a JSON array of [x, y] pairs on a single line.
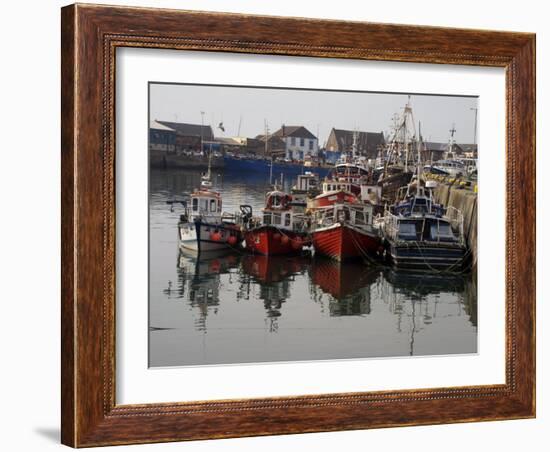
[[221, 127]]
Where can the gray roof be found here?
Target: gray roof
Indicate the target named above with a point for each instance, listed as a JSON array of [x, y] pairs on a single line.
[[154, 124], [227, 140], [193, 130], [368, 141], [443, 147], [294, 131], [435, 146]]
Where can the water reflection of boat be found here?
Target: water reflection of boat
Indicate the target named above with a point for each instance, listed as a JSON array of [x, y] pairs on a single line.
[[341, 279], [422, 284], [419, 286], [347, 283], [273, 269], [199, 281], [273, 275]]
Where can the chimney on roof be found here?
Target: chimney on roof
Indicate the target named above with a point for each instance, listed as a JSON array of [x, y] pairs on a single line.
[[283, 130]]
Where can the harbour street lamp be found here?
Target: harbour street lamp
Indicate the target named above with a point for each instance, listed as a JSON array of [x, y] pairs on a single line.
[[475, 124]]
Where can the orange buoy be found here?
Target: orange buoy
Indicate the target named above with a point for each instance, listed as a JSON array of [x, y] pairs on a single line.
[[232, 240], [215, 236], [285, 240], [215, 266]]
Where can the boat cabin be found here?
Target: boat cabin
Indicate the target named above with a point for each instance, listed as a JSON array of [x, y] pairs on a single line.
[[358, 215], [278, 212], [429, 229], [307, 182], [371, 193], [205, 205], [417, 201], [333, 186]]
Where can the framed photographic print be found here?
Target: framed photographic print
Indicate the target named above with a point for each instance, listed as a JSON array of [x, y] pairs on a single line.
[[267, 231]]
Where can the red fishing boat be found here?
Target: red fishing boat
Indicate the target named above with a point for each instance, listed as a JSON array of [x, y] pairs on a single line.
[[345, 231], [280, 231]]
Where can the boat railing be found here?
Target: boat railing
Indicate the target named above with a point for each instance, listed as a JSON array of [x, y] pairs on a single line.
[[358, 216], [300, 222], [204, 215]]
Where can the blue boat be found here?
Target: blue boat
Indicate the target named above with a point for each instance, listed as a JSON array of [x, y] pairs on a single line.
[[421, 235], [259, 166]]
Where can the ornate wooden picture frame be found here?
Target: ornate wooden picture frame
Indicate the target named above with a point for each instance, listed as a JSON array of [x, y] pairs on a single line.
[[90, 37]]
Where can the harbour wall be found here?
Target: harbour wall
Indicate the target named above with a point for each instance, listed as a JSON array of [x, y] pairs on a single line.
[[162, 159], [464, 200]]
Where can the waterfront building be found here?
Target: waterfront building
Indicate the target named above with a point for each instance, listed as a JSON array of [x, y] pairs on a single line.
[[188, 136], [161, 137], [340, 141], [299, 142], [434, 151]]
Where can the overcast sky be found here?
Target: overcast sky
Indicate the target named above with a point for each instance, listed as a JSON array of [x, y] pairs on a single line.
[[318, 111]]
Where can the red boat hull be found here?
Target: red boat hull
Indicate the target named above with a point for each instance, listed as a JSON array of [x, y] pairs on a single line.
[[270, 241], [342, 242]]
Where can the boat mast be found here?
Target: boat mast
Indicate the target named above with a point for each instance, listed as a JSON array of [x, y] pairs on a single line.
[[354, 146], [266, 132], [451, 147], [408, 119], [392, 143], [202, 131], [419, 149], [405, 137]]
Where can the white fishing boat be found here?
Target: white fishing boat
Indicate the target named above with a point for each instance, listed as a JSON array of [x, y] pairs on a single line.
[[453, 168], [204, 227]]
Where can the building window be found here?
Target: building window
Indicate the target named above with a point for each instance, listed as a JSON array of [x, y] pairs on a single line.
[[302, 142], [311, 145], [292, 141]]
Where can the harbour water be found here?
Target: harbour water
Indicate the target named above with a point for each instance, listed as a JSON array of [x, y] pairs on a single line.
[[240, 308]]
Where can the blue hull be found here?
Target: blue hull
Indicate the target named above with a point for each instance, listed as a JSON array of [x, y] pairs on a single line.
[[424, 256], [262, 167]]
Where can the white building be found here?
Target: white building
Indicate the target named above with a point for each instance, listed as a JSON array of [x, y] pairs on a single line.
[[299, 142]]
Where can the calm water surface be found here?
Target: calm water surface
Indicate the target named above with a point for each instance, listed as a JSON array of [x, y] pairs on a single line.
[[240, 308]]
